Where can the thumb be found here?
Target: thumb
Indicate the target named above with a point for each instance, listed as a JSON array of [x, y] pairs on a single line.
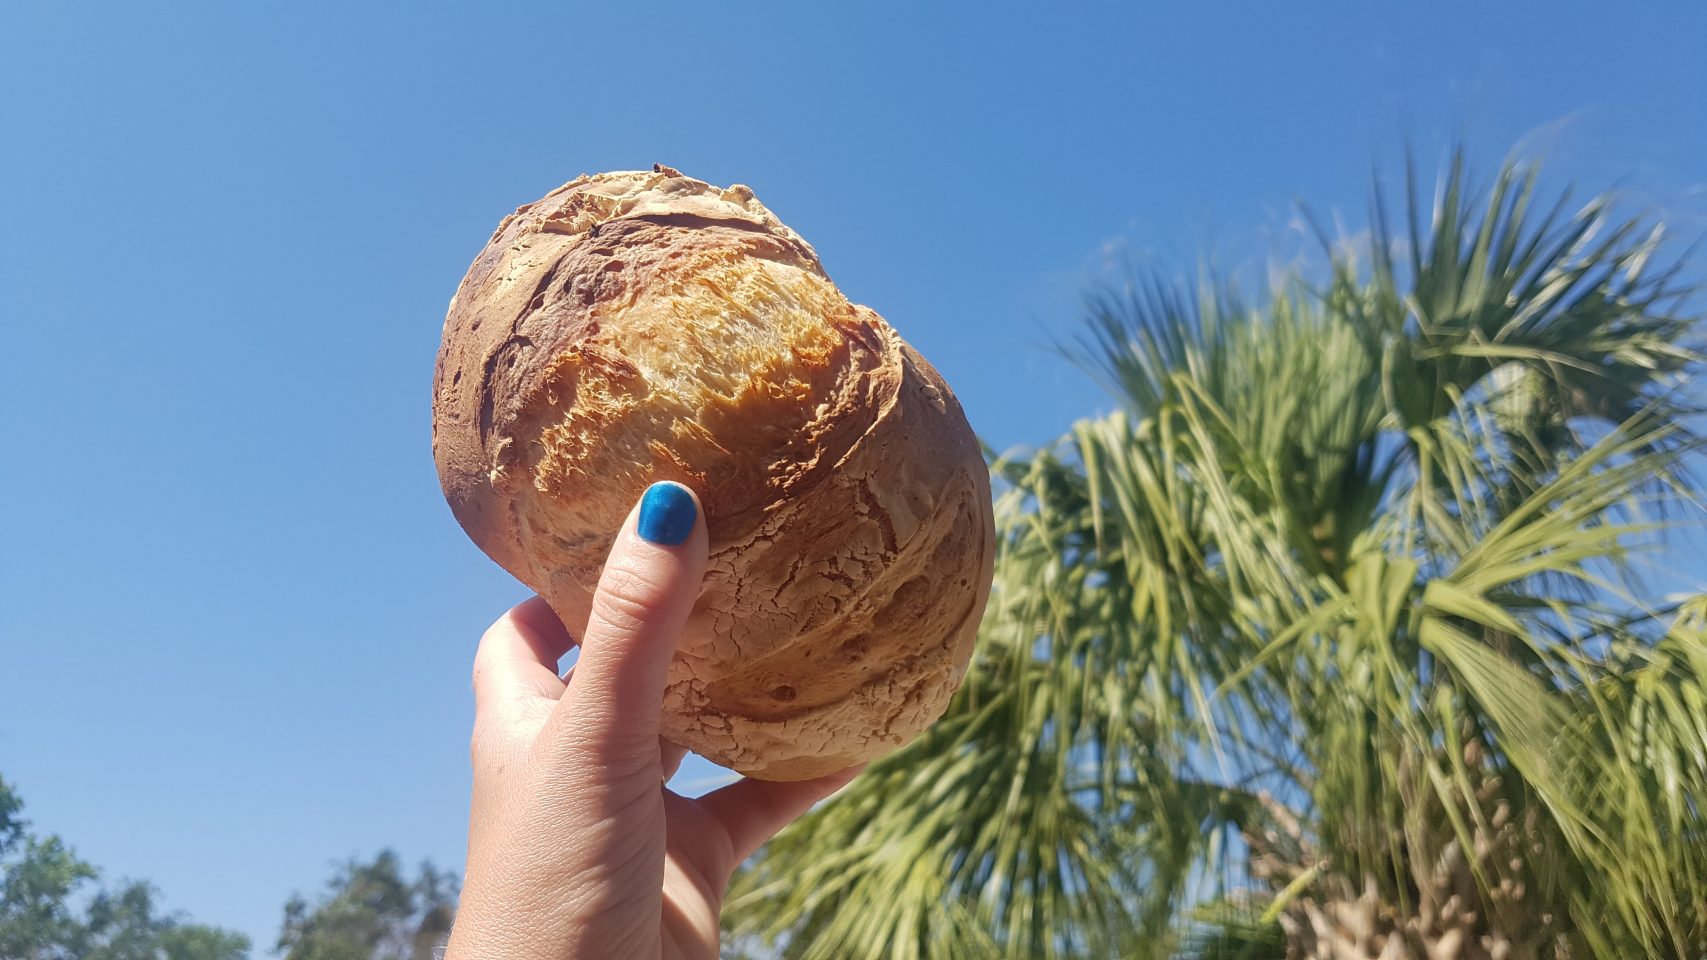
[[609, 714]]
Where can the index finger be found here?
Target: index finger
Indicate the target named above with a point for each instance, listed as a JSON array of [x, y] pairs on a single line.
[[518, 655]]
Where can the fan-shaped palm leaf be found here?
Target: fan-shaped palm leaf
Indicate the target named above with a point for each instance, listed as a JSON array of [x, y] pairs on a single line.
[[1329, 626]]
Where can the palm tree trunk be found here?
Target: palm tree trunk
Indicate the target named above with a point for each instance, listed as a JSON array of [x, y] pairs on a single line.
[[1443, 912]]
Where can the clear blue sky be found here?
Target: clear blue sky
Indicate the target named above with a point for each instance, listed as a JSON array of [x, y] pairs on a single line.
[[235, 614]]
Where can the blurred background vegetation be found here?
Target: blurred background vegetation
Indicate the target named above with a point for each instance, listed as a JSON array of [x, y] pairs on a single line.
[[1334, 640], [55, 906]]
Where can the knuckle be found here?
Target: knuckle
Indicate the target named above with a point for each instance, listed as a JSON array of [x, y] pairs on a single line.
[[627, 765], [565, 744], [626, 600], [503, 625], [636, 580], [625, 777]]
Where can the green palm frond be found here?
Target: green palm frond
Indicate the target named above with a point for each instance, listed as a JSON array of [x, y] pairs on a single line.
[[1333, 617], [1235, 929]]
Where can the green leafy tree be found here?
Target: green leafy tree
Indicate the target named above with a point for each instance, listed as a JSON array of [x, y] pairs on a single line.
[[190, 941], [37, 919], [127, 925], [40, 885], [1329, 643], [373, 911]]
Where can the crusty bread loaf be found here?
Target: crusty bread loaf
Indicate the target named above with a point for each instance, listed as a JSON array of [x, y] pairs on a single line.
[[643, 326]]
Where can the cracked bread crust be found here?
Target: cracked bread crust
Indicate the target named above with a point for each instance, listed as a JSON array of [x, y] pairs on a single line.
[[635, 327]]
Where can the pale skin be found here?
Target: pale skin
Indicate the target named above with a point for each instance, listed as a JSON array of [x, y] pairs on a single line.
[[576, 849]]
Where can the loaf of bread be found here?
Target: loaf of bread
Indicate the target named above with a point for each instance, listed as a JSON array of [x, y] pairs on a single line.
[[642, 326]]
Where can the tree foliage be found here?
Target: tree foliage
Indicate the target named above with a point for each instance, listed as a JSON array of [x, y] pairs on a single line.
[[52, 909], [48, 912], [373, 911], [1330, 641]]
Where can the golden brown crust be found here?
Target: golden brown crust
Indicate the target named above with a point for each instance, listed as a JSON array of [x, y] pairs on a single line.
[[635, 327]]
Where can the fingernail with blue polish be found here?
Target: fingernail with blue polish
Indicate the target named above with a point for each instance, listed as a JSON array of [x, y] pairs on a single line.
[[666, 514]]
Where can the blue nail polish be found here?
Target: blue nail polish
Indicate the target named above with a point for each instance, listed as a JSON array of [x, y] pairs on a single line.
[[666, 514]]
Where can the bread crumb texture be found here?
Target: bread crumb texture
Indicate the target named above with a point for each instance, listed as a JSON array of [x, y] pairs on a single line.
[[642, 326]]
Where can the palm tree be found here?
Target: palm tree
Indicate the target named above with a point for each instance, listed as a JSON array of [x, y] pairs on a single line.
[[1330, 642]]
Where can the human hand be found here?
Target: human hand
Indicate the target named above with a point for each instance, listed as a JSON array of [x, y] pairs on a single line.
[[575, 847]]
